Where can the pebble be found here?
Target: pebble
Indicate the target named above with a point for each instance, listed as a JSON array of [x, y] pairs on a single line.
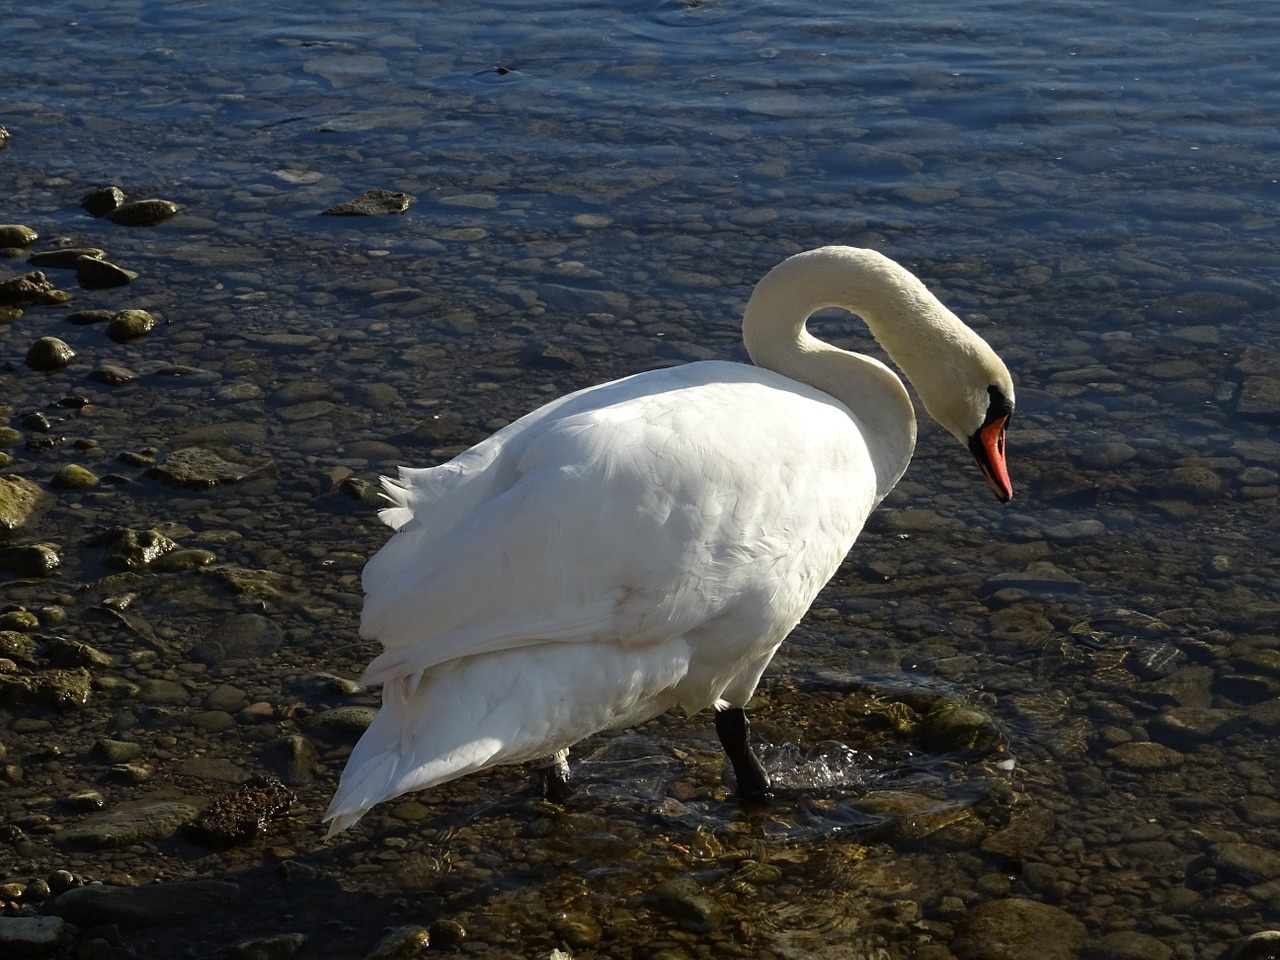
[[101, 202], [64, 257], [73, 477], [401, 943], [372, 203], [199, 469]]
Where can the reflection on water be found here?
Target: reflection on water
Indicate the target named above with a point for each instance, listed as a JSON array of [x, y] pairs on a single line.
[[1071, 700]]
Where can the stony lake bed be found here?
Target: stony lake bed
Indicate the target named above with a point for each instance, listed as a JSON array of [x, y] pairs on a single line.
[[1046, 730]]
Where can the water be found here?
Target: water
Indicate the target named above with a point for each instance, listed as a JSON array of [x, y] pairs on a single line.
[[1093, 187]]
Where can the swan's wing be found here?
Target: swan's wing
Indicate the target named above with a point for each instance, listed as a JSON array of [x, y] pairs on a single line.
[[637, 514]]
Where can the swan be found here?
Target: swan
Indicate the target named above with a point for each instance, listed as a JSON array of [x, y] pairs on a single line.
[[648, 543]]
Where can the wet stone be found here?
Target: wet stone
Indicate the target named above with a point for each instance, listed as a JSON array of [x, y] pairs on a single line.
[[30, 560], [95, 274], [293, 759], [1144, 757], [73, 477], [1018, 928], [127, 549], [17, 235], [1185, 727], [24, 290], [684, 901], [198, 468], [83, 318], [372, 203], [401, 944], [116, 751], [1131, 945], [123, 828], [144, 906], [241, 816], [112, 374], [101, 202], [951, 726], [143, 213], [48, 354], [1263, 945], [65, 258], [279, 947], [129, 325], [64, 652], [1245, 863], [345, 720]]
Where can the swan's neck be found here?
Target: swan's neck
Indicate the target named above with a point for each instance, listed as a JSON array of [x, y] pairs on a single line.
[[905, 318]]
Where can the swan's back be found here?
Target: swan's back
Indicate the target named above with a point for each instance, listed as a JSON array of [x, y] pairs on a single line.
[[633, 511]]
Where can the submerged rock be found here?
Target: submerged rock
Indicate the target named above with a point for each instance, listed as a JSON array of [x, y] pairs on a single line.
[[143, 213], [123, 828], [30, 560], [1018, 928], [146, 905], [198, 468], [401, 943], [64, 258], [132, 549], [128, 325], [372, 203], [95, 274]]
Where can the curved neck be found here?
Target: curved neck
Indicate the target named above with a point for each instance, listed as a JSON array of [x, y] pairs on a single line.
[[903, 316]]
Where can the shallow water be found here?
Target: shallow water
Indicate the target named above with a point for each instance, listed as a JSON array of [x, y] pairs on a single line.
[[1093, 187]]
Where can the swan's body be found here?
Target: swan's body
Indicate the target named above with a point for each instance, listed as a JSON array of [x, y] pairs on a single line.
[[648, 543]]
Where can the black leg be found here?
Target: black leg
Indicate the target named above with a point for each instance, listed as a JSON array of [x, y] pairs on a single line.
[[735, 735], [554, 776]]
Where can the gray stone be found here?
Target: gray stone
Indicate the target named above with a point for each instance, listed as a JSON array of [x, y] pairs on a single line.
[[33, 936], [101, 202], [16, 235], [146, 905], [292, 758], [198, 468], [1131, 945], [130, 325], [123, 828], [24, 290], [279, 947], [372, 203], [1246, 863], [401, 943], [19, 499], [1144, 757]]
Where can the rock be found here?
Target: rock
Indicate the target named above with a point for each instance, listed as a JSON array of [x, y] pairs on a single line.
[[550, 357], [401, 943], [101, 202], [448, 933], [684, 900], [95, 274], [1144, 757], [1246, 863], [56, 689], [1263, 945], [64, 258], [24, 290], [1194, 482], [951, 726], [250, 635], [129, 325], [293, 759], [112, 374], [73, 477], [15, 645], [48, 354], [241, 816], [279, 947], [372, 203], [198, 468], [123, 828], [143, 213], [64, 652], [577, 929], [19, 499], [33, 936], [1185, 727], [82, 318], [1014, 928], [345, 720], [16, 235], [127, 549], [1026, 831], [1131, 945], [30, 560], [116, 751], [144, 906]]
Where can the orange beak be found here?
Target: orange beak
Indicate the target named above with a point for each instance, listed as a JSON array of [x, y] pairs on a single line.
[[988, 449]]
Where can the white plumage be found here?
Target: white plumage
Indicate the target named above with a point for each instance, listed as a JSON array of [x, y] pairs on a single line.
[[648, 543]]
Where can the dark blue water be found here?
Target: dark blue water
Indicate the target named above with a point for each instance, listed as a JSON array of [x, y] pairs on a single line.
[[1094, 187]]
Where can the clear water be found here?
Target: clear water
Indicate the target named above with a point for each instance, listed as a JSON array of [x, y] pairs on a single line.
[[1093, 186]]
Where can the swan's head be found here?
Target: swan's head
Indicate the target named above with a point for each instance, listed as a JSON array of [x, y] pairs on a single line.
[[974, 401]]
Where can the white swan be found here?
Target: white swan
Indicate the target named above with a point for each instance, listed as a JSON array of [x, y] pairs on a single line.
[[648, 543]]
